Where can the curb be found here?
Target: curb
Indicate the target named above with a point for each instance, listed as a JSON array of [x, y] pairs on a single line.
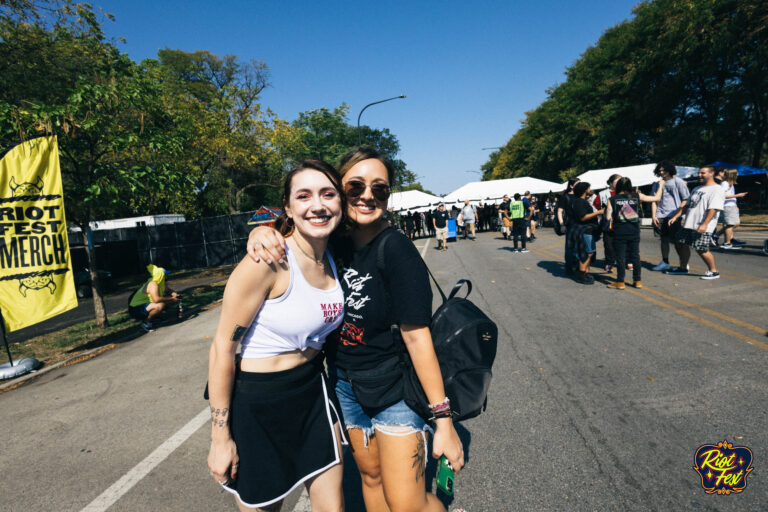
[[12, 384]]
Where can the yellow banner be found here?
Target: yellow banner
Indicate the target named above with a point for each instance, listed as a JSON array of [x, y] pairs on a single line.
[[36, 280]]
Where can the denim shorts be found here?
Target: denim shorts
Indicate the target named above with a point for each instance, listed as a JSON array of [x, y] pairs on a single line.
[[589, 241], [397, 419]]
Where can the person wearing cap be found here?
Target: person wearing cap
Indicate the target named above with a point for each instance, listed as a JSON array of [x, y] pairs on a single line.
[[151, 298]]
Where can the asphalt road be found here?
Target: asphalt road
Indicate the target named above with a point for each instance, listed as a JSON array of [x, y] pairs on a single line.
[[599, 401]]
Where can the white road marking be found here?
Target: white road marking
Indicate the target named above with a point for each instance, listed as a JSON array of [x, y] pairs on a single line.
[[134, 476], [424, 249]]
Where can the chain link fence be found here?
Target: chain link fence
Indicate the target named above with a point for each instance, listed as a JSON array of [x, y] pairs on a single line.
[[203, 243]]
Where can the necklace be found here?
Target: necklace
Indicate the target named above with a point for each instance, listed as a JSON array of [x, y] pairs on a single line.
[[321, 261]]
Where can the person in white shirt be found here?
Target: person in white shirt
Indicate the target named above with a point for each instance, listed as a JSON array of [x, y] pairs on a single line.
[[700, 222], [730, 215]]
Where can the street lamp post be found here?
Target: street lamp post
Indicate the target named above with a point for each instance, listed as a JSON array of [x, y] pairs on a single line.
[[359, 140]]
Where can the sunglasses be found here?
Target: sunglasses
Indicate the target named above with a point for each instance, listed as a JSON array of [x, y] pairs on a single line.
[[355, 188]]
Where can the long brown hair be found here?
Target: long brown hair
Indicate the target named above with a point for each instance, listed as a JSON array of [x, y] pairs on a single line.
[[731, 175], [284, 224]]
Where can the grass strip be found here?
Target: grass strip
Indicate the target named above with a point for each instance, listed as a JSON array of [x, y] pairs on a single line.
[[66, 343]]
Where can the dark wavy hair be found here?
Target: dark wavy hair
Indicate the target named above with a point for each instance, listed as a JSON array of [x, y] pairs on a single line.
[[365, 153], [667, 166], [282, 223], [580, 188]]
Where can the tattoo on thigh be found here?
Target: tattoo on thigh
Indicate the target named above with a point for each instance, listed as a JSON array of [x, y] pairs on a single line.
[[418, 459], [238, 333]]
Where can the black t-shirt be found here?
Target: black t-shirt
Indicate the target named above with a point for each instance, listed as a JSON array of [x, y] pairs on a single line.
[[441, 218], [504, 207], [365, 338], [564, 202], [626, 215], [581, 207]]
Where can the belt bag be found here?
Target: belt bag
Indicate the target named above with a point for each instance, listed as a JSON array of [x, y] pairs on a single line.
[[378, 387]]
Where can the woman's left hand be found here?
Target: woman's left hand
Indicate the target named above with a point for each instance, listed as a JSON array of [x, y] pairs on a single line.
[[447, 442]]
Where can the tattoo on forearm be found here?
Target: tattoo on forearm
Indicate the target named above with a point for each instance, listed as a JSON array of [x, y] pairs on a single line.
[[418, 459], [238, 333], [220, 417]]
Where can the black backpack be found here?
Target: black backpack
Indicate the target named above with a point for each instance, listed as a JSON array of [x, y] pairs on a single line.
[[465, 342]]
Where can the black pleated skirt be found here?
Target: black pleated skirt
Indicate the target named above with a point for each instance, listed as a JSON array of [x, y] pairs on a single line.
[[282, 425]]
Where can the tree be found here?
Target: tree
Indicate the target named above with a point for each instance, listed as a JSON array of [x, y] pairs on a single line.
[[327, 135], [104, 110], [681, 81]]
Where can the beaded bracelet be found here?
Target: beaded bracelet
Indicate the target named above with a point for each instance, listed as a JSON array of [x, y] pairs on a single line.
[[445, 404], [441, 409]]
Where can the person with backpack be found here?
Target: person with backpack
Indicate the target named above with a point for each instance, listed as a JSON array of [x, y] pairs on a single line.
[[381, 290], [623, 214], [518, 214]]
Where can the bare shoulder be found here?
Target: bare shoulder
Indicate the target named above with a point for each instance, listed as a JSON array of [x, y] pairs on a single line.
[[249, 277]]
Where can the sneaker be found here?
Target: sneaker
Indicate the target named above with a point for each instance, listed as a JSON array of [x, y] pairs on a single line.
[[523, 250], [662, 266], [637, 284], [630, 266], [730, 246], [609, 268], [711, 275], [678, 271], [714, 239], [585, 279], [147, 326], [618, 285]]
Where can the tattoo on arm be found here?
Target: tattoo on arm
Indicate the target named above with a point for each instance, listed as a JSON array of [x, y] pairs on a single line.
[[220, 417], [418, 459], [238, 333]]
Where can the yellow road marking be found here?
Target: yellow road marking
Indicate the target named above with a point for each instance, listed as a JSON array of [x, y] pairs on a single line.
[[704, 321], [708, 311], [686, 314]]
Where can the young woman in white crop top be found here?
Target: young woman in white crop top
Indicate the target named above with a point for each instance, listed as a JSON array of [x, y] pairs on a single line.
[[273, 425]]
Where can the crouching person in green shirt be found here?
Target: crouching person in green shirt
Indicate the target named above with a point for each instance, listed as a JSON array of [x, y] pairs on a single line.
[[153, 296]]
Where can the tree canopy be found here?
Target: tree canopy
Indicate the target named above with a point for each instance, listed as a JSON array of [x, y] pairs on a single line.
[[681, 81]]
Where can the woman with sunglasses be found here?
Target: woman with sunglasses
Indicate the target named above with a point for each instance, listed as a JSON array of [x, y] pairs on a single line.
[[274, 426], [385, 282]]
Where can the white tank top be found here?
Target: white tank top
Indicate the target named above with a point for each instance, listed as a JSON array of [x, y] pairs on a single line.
[[300, 318]]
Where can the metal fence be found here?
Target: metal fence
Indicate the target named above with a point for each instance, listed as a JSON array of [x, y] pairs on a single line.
[[208, 242]]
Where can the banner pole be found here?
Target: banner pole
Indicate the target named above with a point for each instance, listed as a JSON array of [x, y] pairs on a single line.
[[5, 339]]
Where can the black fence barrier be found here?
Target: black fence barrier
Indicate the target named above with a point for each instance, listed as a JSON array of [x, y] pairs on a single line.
[[209, 242]]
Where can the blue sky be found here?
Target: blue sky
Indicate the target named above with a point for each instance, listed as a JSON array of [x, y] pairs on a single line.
[[470, 70]]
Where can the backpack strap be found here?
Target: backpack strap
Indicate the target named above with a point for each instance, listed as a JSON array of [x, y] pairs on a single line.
[[457, 287]]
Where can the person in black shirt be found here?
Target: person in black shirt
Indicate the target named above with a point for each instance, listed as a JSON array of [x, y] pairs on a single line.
[[565, 219], [623, 212], [440, 224], [388, 439], [506, 222], [584, 230]]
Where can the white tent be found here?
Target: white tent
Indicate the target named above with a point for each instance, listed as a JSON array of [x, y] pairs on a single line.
[[413, 199], [493, 191], [639, 174]]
